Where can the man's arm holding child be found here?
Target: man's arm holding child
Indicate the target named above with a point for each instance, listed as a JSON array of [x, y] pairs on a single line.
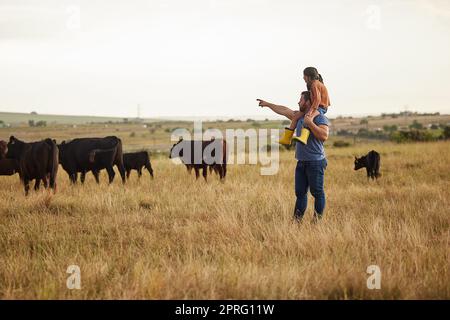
[[319, 131]]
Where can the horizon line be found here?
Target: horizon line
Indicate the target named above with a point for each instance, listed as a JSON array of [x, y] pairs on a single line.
[[213, 117]]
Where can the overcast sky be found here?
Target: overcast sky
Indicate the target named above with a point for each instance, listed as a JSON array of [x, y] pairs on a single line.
[[215, 57]]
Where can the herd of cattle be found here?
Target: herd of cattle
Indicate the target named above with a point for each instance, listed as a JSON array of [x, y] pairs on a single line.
[[40, 160]]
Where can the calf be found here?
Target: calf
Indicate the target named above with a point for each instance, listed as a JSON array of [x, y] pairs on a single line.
[[36, 161], [199, 155], [137, 161], [371, 162]]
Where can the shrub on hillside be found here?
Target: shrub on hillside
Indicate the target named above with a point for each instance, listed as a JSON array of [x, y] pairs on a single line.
[[446, 133], [412, 135], [341, 144]]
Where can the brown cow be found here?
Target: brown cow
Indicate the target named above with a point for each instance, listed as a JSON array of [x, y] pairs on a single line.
[[36, 161]]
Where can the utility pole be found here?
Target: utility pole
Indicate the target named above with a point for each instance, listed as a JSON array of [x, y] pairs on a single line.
[[406, 115]]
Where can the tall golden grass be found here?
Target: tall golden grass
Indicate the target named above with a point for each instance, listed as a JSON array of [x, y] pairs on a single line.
[[177, 238]]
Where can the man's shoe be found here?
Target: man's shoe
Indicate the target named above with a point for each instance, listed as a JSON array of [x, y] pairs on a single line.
[[298, 216], [317, 217]]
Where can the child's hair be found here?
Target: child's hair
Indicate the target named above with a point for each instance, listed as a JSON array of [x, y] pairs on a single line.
[[306, 95], [313, 74]]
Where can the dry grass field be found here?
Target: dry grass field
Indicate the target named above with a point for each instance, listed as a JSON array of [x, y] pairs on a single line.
[[177, 238]]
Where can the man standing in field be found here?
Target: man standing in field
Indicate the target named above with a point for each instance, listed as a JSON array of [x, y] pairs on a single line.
[[311, 159]]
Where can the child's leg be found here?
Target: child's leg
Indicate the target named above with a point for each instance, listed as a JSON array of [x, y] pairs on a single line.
[[304, 132], [289, 132], [295, 118]]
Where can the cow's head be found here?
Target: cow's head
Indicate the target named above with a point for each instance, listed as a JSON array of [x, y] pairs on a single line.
[[173, 155], [14, 148], [62, 151], [360, 162], [62, 148]]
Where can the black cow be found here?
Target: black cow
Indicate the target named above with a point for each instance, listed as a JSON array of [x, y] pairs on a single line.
[[213, 154], [371, 162], [136, 161], [36, 161], [92, 154], [3, 149]]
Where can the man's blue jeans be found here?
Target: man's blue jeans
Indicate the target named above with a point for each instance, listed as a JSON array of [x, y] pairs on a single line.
[[309, 175]]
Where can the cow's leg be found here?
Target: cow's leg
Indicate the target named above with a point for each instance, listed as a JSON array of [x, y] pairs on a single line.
[[46, 180], [128, 174], [111, 174], [218, 169], [26, 184], [37, 184], [197, 172], [83, 177], [121, 171], [224, 170], [96, 174], [73, 177], [205, 172], [139, 173], [149, 169]]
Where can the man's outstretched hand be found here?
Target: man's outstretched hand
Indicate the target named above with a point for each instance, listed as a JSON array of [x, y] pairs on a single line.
[[263, 103]]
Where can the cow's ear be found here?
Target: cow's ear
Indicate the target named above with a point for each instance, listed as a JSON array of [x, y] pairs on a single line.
[[181, 139], [12, 139], [356, 158], [63, 142]]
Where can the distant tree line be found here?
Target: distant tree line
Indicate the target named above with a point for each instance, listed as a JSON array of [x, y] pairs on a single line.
[[408, 114], [40, 123], [415, 132]]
